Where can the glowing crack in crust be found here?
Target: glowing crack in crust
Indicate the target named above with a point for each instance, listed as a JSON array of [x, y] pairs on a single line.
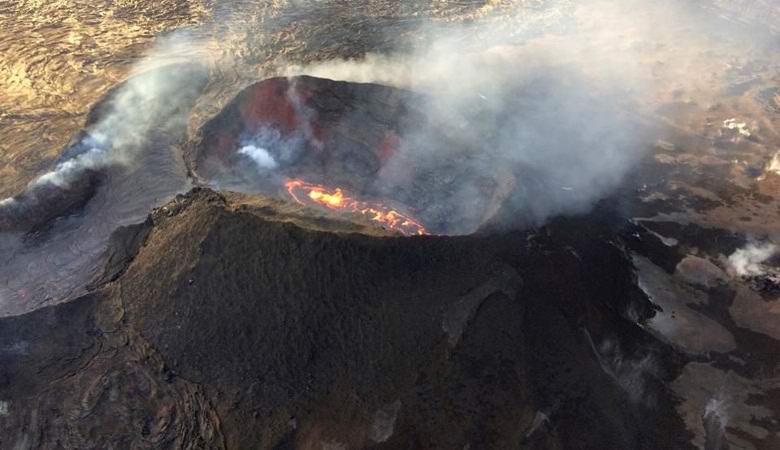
[[338, 200]]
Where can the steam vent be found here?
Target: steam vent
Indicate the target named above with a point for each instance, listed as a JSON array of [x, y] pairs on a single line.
[[327, 225]]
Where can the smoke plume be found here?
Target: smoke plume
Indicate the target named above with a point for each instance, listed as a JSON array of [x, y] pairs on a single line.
[[774, 164], [748, 261], [560, 109], [113, 172], [259, 155], [268, 148], [715, 420], [147, 99], [632, 374], [533, 114]]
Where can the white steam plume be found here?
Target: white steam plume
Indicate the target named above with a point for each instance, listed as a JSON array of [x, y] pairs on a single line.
[[267, 148], [631, 374], [560, 109], [717, 407], [260, 156], [99, 154], [748, 261], [146, 100], [774, 164], [715, 420], [537, 114]]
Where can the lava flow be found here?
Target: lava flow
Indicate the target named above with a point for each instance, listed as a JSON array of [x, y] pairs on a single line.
[[336, 199]]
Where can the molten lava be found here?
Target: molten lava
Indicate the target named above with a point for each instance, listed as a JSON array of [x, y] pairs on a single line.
[[336, 199]]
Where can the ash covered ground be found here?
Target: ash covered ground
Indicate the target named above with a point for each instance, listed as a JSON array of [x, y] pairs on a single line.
[[522, 224]]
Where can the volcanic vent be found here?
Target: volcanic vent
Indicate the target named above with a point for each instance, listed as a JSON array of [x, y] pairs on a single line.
[[347, 147]]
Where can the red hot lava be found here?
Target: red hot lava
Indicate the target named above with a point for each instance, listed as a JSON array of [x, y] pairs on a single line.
[[338, 200]]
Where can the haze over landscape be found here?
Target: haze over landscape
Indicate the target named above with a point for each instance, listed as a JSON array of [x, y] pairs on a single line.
[[390, 224]]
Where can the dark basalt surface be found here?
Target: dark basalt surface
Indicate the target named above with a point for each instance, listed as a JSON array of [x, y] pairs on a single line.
[[242, 322]]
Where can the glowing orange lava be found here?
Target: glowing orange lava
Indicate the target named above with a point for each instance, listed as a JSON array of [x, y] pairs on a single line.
[[336, 199]]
